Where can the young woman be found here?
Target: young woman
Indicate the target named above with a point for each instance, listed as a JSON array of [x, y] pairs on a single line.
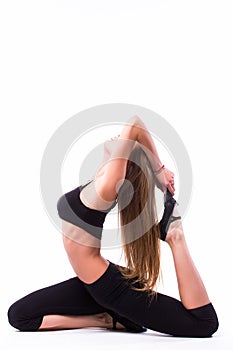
[[107, 295]]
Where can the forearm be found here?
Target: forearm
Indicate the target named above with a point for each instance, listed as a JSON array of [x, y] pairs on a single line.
[[133, 132], [114, 169], [143, 137]]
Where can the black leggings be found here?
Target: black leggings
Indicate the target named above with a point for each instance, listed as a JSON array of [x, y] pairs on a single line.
[[112, 292]]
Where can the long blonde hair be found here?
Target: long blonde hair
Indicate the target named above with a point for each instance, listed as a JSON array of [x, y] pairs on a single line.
[[138, 222]]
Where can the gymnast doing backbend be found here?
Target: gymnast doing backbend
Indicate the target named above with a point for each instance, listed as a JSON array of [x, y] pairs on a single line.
[[104, 294]]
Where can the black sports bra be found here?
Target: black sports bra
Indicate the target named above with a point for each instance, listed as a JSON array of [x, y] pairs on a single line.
[[70, 208]]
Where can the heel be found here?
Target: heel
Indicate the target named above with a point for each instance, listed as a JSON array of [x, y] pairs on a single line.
[[129, 325]]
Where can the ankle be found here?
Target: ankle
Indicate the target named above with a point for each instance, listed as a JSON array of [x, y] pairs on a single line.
[[175, 237], [104, 320]]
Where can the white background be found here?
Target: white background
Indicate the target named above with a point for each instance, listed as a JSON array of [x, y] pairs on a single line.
[[61, 57]]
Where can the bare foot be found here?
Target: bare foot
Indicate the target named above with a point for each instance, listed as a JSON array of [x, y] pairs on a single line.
[[105, 321]]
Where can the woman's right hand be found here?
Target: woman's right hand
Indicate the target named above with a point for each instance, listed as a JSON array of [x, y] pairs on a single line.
[[165, 180]]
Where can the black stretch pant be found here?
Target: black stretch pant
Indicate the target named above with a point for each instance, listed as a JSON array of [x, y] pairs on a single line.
[[112, 292]]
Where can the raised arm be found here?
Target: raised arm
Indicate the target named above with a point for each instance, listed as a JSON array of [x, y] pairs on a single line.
[[111, 174], [164, 177]]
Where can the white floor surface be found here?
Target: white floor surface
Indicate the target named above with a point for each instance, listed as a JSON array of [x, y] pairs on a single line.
[[94, 338]]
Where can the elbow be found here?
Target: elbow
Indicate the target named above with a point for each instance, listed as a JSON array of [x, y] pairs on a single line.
[[132, 130], [135, 120]]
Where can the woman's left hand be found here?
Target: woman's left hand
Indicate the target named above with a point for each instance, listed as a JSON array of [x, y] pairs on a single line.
[[165, 180]]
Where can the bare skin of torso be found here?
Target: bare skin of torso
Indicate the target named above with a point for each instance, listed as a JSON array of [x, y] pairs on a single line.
[[91, 199], [90, 265]]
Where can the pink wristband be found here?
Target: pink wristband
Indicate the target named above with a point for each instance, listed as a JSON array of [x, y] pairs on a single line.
[[160, 169]]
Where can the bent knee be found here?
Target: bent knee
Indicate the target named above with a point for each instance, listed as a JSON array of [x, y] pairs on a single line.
[[207, 321], [19, 320], [210, 328], [14, 316]]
